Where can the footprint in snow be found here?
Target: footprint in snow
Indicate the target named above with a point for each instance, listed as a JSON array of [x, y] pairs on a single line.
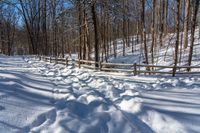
[[2, 108], [75, 79]]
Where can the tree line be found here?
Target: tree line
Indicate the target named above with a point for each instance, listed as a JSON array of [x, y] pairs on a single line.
[[94, 28]]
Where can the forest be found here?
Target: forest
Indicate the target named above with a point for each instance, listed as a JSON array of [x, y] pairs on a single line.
[[90, 28], [99, 66]]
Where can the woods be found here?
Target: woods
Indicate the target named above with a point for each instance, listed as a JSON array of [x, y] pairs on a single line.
[[93, 29], [99, 66]]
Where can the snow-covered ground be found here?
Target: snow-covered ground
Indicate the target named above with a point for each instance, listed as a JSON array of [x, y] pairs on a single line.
[[162, 55], [41, 97]]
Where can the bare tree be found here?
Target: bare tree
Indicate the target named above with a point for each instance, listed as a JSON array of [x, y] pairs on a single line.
[[186, 23], [144, 30], [195, 7], [153, 31], [96, 34], [177, 35]]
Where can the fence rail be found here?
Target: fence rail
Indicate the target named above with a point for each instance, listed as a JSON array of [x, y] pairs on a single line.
[[136, 69]]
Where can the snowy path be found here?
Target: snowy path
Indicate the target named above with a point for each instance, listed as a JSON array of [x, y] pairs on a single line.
[[40, 97], [24, 96], [92, 102]]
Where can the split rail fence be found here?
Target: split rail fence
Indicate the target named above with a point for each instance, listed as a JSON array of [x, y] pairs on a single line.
[[135, 68]]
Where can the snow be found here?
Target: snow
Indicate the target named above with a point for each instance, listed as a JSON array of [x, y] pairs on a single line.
[[36, 96], [41, 97], [163, 56], [132, 105]]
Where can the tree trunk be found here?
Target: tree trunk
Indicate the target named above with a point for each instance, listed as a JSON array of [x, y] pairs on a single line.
[[144, 32], [186, 24], [177, 35], [195, 7], [153, 32], [96, 46]]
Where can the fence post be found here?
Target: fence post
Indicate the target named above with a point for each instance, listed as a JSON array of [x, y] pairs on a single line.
[[50, 59], [135, 69], [174, 71], [66, 61], [56, 61], [79, 63], [100, 66]]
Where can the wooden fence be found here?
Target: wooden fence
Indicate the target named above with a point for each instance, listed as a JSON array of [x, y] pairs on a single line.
[[136, 69]]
